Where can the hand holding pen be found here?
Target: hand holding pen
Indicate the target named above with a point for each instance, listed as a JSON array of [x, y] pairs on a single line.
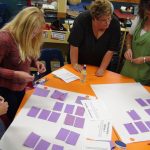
[[23, 77]]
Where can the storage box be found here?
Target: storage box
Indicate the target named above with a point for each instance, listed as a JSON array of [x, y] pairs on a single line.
[[55, 36]]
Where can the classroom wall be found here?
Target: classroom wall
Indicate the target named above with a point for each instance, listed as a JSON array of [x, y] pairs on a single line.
[[14, 5]]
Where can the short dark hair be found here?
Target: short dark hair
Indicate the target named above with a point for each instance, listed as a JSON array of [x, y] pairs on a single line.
[[99, 8]]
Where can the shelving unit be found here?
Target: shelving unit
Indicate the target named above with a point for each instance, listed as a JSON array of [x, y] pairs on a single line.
[[54, 36], [61, 6]]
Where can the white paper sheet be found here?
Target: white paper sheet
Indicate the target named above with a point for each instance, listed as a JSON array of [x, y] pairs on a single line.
[[96, 145], [120, 99], [65, 75], [23, 125], [99, 126], [99, 130], [95, 109]]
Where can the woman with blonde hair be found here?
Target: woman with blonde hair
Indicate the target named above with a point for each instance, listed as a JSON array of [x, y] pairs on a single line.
[[20, 42]]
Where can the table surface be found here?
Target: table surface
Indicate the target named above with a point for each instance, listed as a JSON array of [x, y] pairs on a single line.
[[77, 86]]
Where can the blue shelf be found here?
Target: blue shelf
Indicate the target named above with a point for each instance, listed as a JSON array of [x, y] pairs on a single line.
[[79, 7]]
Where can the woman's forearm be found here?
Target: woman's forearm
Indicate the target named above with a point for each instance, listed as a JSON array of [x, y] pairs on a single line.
[[129, 41], [106, 60], [73, 55]]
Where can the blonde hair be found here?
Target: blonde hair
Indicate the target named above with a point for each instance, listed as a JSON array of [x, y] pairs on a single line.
[[22, 28], [100, 7]]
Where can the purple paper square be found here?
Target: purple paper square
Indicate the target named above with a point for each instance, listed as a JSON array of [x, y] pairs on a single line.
[[80, 111], [54, 117], [133, 114], [79, 98], [79, 122], [59, 95], [130, 128], [141, 102], [33, 111], [62, 134], [42, 145], [148, 111], [58, 106], [41, 92], [57, 147], [141, 126], [31, 140], [72, 138], [69, 120], [148, 101], [44, 114], [148, 123], [69, 109]]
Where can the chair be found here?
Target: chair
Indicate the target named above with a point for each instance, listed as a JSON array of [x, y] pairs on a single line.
[[4, 14], [121, 51], [51, 54]]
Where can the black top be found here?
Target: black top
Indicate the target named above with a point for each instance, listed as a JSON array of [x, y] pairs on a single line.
[[92, 50]]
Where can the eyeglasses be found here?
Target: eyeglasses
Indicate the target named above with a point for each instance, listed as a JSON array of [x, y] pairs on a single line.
[[104, 19]]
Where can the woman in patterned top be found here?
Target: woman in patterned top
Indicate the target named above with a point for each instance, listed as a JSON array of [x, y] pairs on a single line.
[[20, 42]]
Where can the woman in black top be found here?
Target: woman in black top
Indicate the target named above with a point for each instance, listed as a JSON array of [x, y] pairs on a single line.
[[94, 37]]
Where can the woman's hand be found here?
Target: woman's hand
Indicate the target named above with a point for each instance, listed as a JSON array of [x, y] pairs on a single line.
[[3, 106], [128, 55], [138, 60], [23, 77], [2, 99], [78, 67], [100, 72], [40, 67]]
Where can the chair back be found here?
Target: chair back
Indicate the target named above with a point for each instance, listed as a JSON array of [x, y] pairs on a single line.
[[4, 14], [51, 54]]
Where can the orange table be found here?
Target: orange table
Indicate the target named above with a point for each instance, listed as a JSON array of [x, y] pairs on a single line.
[[77, 86]]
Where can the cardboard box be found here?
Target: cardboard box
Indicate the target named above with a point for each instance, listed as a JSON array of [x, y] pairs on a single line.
[[55, 36]]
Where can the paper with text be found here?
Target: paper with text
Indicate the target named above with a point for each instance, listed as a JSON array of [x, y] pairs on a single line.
[[65, 75]]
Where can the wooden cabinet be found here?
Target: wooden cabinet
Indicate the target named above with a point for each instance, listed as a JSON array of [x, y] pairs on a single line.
[[62, 8]]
